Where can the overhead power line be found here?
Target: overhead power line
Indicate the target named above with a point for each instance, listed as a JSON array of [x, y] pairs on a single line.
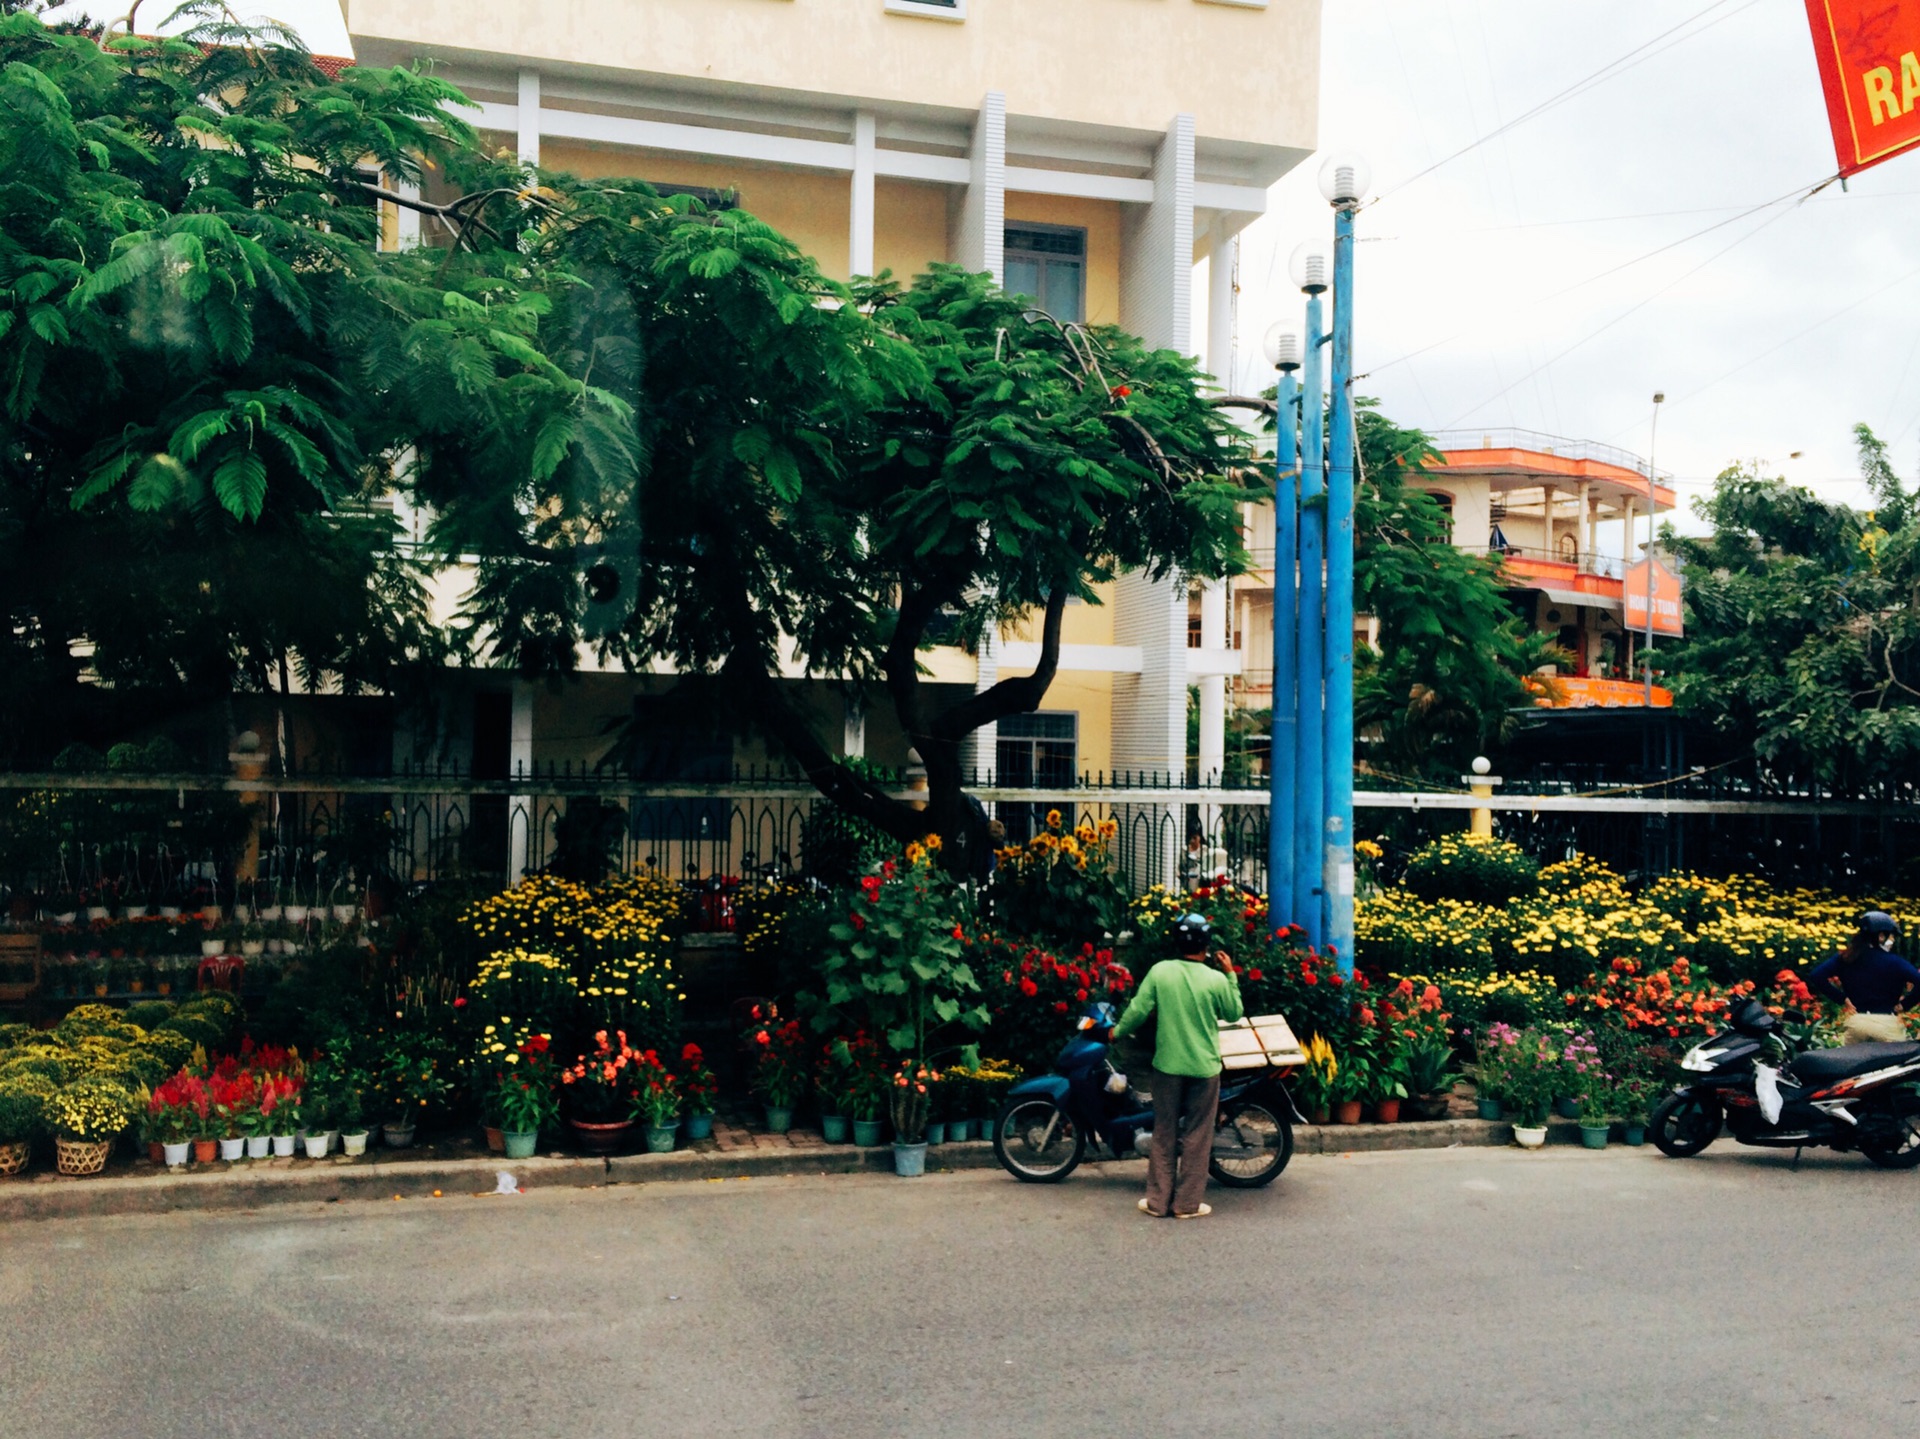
[[1640, 53]]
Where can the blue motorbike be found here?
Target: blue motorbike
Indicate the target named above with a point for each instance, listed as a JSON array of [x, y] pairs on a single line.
[[1047, 1123]]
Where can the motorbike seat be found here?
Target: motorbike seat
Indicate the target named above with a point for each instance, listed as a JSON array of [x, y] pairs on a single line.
[[1824, 1066]]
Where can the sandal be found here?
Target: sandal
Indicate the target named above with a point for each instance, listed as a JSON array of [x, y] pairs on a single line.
[[1145, 1209], [1201, 1213]]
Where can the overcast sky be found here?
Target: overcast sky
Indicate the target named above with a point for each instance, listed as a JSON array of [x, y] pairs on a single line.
[[1465, 264]]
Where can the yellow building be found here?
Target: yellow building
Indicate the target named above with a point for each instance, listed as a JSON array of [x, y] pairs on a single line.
[[1091, 153]]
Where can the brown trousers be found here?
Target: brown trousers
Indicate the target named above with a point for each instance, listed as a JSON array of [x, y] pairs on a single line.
[[1183, 1116]]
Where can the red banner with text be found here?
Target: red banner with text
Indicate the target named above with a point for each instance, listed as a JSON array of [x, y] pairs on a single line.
[[1869, 54]]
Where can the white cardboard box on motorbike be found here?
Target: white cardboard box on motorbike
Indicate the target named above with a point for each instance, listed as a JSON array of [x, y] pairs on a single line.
[[1260, 1041]]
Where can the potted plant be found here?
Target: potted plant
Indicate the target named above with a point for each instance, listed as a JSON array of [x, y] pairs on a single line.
[[526, 1098], [1353, 1082], [416, 1078], [698, 1090], [280, 1109], [234, 1102], [171, 1121], [350, 1110], [1429, 1076], [1635, 1097], [907, 1100], [1596, 1111], [1533, 1075], [779, 1066], [1580, 1065], [1496, 1050], [657, 1099], [1390, 1085], [832, 1082], [938, 1097], [600, 1093], [957, 1086], [86, 1116], [1313, 1083], [317, 1113], [23, 1100]]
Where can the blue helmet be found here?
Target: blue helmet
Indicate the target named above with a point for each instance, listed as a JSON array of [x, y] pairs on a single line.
[[1192, 932]]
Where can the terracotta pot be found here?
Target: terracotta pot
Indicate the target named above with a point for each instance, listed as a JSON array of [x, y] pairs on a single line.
[[1386, 1111], [602, 1138], [496, 1142], [1318, 1116], [205, 1151], [156, 1152], [1347, 1111]]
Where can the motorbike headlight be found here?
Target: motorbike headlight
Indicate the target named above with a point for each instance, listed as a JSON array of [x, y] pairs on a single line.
[[1700, 1059]]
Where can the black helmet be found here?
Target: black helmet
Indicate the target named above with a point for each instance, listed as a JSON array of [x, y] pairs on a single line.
[[1191, 932], [1878, 921]]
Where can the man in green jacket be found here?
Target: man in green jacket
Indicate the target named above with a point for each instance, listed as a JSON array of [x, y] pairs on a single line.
[[1189, 998]]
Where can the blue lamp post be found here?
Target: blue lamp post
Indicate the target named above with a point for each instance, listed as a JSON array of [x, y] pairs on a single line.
[[1343, 180], [1283, 353], [1311, 272]]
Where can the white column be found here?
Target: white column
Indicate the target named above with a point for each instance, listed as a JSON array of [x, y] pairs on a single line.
[[980, 239], [860, 208], [1626, 532], [1586, 517], [1213, 595], [529, 114], [854, 728], [981, 752], [1156, 260], [409, 227], [521, 808]]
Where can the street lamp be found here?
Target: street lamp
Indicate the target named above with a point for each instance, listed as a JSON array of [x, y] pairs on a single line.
[[1653, 440], [1343, 181], [1312, 272], [1283, 350]]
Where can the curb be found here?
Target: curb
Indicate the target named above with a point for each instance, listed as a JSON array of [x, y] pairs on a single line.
[[316, 1182]]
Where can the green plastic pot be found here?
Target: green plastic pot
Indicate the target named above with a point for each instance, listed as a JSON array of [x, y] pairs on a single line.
[[779, 1118], [936, 1131], [698, 1126], [959, 1130], [660, 1137], [1594, 1136], [1487, 1108], [1567, 1107], [520, 1145], [866, 1132], [833, 1128], [1634, 1134], [909, 1160]]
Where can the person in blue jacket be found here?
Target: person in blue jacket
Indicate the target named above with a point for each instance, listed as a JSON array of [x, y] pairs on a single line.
[[1868, 977]]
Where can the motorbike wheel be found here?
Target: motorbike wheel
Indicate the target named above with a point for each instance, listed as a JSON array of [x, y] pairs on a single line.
[[1036, 1141], [1685, 1124], [1258, 1142], [1903, 1151]]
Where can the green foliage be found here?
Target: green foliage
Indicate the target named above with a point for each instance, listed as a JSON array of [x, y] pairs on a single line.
[[1471, 869], [899, 961], [188, 291], [1803, 637], [23, 1106], [1448, 681], [1061, 888]]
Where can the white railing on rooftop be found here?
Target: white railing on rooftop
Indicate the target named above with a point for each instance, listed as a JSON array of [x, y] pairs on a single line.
[[1544, 444]]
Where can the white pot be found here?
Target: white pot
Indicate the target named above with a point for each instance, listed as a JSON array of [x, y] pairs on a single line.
[[133, 911], [257, 1146], [210, 913], [283, 1146], [98, 912], [344, 913], [316, 1146], [271, 914], [354, 1143], [276, 946], [177, 1153], [169, 911], [253, 948], [243, 913], [232, 1149], [212, 948], [68, 918], [333, 1140], [296, 914], [1528, 1137]]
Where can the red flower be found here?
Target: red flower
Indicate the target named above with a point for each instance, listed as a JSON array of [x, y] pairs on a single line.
[[858, 923], [460, 1003], [1029, 988], [762, 1038]]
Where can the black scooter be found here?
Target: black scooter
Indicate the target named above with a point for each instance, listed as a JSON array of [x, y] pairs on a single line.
[[1047, 1123], [1750, 1080]]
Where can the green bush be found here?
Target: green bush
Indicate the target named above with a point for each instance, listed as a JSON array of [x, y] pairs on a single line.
[[169, 1047], [23, 1104], [52, 1062], [149, 1013], [1467, 867], [14, 1034], [198, 1029]]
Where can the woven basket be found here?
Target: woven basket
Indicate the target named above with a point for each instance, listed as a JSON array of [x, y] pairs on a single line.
[[80, 1157], [13, 1159]]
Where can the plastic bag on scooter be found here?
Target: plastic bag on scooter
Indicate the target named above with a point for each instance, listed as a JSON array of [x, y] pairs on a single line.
[[1766, 1084]]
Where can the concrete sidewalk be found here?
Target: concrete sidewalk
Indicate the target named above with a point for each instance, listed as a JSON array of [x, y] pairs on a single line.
[[144, 1189]]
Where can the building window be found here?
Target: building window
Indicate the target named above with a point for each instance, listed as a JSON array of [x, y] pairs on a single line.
[[1048, 264], [929, 9], [1035, 751]]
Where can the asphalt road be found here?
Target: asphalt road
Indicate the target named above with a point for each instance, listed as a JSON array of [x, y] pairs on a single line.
[[1463, 1292]]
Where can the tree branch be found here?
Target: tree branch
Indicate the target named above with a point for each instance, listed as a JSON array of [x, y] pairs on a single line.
[[1017, 694], [1244, 402]]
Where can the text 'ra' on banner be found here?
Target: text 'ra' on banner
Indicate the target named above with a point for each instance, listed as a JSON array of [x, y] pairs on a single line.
[[1869, 55]]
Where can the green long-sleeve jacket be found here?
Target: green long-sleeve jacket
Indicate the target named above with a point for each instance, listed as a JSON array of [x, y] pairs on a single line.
[[1190, 999]]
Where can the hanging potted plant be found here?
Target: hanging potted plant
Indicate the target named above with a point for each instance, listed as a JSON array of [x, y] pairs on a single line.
[[526, 1098], [86, 1117], [600, 1095], [658, 1101], [698, 1092]]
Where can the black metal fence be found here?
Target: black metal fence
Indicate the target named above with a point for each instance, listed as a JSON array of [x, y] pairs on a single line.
[[116, 841]]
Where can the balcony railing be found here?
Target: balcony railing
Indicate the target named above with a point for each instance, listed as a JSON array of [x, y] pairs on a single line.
[[1542, 444], [1584, 562]]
